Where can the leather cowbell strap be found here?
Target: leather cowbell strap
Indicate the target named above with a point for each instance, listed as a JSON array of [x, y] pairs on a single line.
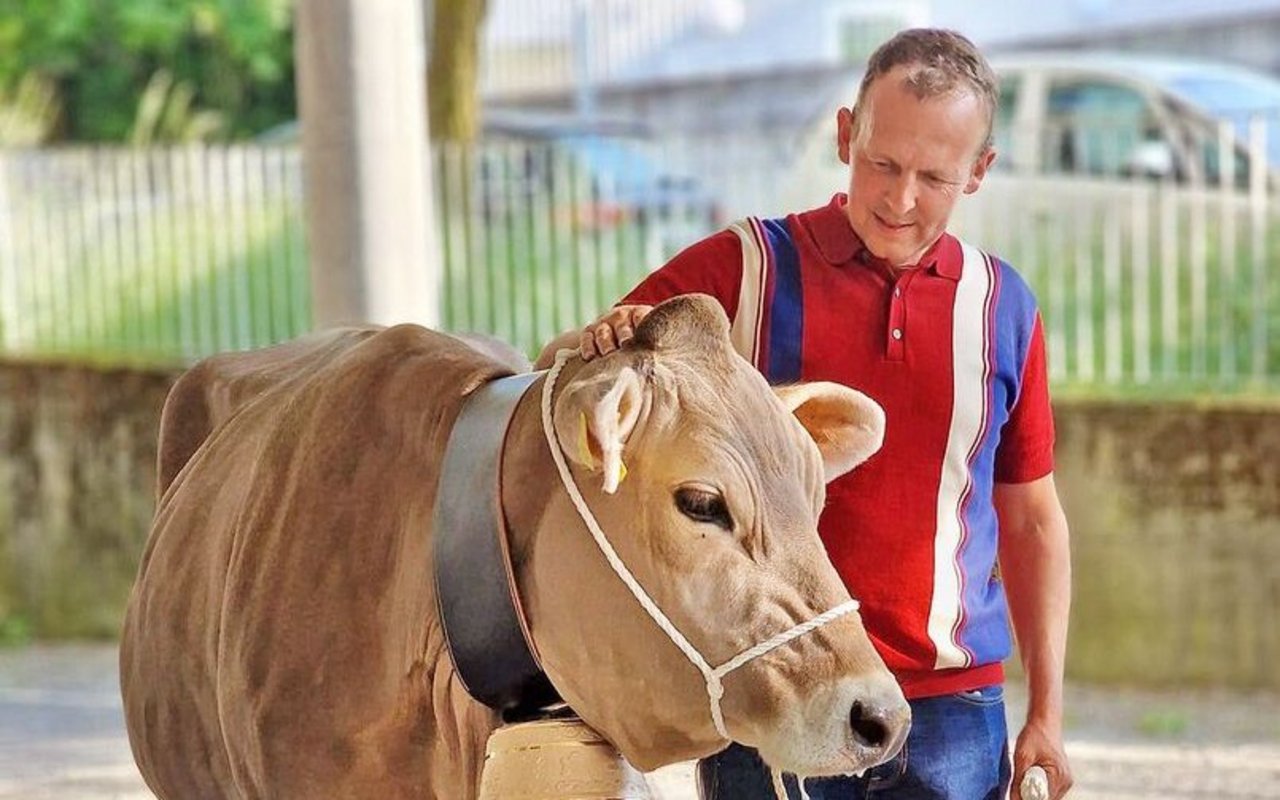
[[480, 611]]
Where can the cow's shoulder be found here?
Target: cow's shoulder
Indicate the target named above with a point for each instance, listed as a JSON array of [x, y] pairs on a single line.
[[353, 361], [216, 388]]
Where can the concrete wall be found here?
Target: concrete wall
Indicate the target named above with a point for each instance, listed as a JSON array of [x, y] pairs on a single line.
[[77, 470], [1175, 513], [1175, 516]]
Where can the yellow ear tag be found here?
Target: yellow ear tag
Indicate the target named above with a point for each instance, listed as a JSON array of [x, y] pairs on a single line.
[[584, 443], [584, 448]]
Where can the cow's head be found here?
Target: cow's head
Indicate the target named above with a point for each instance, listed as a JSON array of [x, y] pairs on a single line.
[[709, 484]]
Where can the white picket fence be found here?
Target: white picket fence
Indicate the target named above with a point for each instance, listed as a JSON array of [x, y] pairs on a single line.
[[150, 254], [175, 253], [1144, 283]]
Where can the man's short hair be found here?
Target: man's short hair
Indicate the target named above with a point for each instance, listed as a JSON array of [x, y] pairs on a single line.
[[939, 62]]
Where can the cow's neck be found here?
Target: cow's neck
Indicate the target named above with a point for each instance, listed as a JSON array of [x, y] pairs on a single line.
[[462, 724]]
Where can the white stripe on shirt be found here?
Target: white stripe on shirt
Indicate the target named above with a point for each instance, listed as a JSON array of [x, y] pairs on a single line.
[[969, 342], [745, 330]]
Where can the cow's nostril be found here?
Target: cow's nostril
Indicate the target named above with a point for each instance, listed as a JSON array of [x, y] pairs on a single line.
[[868, 726]]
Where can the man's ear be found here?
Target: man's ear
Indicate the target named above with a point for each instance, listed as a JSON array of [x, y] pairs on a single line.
[[844, 134], [594, 418], [980, 169], [846, 425]]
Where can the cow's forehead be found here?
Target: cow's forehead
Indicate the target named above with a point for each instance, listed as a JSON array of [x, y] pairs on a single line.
[[731, 405]]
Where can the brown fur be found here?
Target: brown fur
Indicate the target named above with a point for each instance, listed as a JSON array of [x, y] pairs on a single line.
[[282, 641], [275, 576]]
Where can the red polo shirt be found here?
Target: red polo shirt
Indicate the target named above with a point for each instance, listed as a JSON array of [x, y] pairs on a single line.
[[953, 350]]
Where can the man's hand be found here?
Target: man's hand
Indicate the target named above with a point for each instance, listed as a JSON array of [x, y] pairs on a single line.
[[611, 331], [1035, 563], [1039, 746]]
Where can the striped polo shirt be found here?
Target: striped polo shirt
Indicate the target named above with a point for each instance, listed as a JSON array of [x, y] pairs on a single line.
[[953, 350]]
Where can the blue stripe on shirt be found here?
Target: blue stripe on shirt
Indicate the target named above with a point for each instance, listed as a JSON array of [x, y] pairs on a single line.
[[786, 312]]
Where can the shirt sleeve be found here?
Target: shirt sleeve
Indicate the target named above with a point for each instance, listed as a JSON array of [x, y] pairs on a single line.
[[712, 266], [1026, 441]]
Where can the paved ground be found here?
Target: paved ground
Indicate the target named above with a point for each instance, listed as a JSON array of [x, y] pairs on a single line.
[[61, 728], [62, 737]]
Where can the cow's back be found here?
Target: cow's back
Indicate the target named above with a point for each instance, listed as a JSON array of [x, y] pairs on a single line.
[[274, 640], [214, 390]]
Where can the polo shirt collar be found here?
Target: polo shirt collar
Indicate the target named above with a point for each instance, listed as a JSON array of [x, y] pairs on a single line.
[[839, 245]]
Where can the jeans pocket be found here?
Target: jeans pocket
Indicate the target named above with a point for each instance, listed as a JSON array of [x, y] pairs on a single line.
[[984, 696]]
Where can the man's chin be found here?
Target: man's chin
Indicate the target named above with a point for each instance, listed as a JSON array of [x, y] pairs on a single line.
[[892, 250]]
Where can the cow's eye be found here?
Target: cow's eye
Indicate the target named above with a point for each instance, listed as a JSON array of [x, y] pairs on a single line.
[[701, 505]]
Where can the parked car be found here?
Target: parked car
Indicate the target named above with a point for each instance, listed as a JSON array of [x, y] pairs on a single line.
[[603, 174], [528, 158], [627, 183], [1095, 118], [1101, 114]]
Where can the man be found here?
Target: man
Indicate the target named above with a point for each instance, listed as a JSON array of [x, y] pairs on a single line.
[[871, 291]]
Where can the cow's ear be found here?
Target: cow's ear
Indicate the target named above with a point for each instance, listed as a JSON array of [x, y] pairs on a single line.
[[594, 418], [847, 426]]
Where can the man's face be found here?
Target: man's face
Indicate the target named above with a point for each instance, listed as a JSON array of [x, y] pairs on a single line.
[[911, 167]]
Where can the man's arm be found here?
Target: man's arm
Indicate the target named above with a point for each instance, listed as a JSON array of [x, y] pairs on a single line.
[[1035, 564]]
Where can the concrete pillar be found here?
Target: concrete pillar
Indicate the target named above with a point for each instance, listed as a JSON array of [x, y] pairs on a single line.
[[361, 72]]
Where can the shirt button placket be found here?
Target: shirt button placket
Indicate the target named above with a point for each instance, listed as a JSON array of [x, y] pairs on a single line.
[[897, 321]]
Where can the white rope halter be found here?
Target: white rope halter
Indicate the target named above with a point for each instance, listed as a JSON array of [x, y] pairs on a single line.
[[712, 675]]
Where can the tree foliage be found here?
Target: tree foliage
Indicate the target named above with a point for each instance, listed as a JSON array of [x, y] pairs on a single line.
[[148, 71], [216, 67]]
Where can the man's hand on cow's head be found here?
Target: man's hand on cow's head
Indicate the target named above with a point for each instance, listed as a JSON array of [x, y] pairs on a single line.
[[614, 329]]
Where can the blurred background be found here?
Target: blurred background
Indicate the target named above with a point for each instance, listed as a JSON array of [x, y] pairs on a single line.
[[169, 170]]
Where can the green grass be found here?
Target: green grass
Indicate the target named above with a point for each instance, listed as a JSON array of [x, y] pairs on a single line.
[[193, 288], [1164, 723], [15, 631], [1212, 316], [527, 278], [534, 267]]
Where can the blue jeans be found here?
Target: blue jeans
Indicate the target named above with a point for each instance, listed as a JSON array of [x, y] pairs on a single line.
[[958, 749]]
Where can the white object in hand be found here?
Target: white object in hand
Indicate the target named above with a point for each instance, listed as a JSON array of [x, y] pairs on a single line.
[[1035, 784]]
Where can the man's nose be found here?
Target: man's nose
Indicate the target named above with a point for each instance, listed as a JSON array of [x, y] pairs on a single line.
[[902, 195]]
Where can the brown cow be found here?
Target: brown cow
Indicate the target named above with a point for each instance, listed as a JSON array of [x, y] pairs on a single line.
[[282, 638]]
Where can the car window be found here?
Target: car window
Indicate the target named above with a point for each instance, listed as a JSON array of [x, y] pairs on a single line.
[[1229, 96], [1099, 128], [1201, 140], [1006, 111], [1209, 146]]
